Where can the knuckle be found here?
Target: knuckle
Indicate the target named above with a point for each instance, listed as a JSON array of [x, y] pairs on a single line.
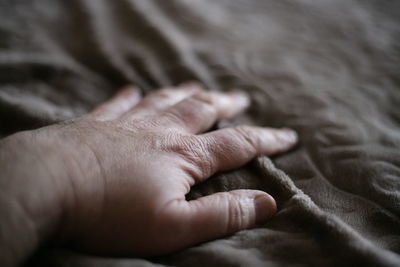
[[247, 136], [178, 144], [243, 129], [206, 102], [193, 151], [205, 98], [171, 116], [236, 214], [227, 144], [164, 93]]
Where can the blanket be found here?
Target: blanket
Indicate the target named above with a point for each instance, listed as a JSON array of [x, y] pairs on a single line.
[[328, 69]]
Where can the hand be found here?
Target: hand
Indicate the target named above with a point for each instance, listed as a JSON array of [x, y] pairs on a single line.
[[127, 166]]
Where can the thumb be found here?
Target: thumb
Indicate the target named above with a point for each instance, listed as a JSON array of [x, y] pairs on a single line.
[[224, 213]]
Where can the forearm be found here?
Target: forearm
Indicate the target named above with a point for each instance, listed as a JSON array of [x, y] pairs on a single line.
[[29, 199]]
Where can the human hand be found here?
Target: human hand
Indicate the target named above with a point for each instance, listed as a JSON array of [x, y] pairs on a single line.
[[127, 166]]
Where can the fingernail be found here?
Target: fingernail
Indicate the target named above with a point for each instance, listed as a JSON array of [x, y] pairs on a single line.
[[241, 98], [288, 136], [265, 207]]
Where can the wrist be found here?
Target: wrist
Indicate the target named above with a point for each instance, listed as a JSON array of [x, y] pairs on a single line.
[[33, 195]]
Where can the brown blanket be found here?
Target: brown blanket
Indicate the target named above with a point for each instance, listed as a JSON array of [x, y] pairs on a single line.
[[329, 69]]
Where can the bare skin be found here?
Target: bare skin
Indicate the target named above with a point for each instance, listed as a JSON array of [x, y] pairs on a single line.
[[114, 181]]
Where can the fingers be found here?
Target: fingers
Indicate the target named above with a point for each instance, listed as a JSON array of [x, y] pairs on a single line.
[[199, 112], [118, 105], [221, 214], [162, 99], [231, 148]]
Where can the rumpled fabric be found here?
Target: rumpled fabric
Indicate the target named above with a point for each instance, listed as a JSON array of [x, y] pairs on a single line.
[[328, 69]]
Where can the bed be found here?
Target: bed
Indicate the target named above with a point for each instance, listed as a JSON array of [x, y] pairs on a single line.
[[328, 69]]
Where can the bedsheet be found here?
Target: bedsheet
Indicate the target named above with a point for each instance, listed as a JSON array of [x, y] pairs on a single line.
[[328, 69]]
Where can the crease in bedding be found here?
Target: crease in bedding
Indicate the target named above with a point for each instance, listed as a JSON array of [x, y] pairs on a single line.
[[328, 69]]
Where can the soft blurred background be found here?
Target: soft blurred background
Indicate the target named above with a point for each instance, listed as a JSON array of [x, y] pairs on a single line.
[[328, 69]]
